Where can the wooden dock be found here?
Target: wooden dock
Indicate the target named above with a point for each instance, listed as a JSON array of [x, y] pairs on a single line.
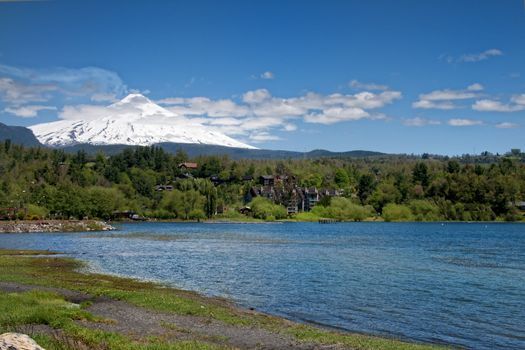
[[328, 221]]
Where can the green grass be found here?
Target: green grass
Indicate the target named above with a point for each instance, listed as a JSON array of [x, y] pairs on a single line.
[[51, 309], [44, 308], [7, 252], [37, 307], [356, 341]]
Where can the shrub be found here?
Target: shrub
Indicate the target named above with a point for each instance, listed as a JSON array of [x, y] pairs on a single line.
[[397, 212], [343, 209], [424, 210], [35, 212], [263, 209], [197, 214]]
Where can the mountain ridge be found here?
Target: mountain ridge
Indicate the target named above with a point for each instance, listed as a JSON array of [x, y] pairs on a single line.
[[194, 150], [18, 135]]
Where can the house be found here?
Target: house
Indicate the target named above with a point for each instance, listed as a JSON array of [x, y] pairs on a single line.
[[520, 205], [267, 180], [215, 179], [160, 188], [263, 191], [245, 210], [123, 215], [280, 179], [283, 190], [312, 197], [188, 166], [296, 202], [330, 193]]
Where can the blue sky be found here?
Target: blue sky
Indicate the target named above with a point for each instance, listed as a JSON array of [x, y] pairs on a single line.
[[445, 76]]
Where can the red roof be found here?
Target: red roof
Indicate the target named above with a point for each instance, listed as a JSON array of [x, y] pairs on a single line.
[[188, 165]]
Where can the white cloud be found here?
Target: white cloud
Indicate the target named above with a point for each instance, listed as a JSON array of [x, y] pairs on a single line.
[[104, 97], [426, 104], [417, 121], [475, 87], [446, 95], [268, 75], [289, 127], [21, 86], [258, 111], [507, 125], [224, 121], [17, 93], [263, 137], [481, 56], [366, 86], [204, 106], [443, 99], [516, 104], [464, 122], [82, 112], [335, 115], [28, 111], [518, 99], [256, 96], [70, 81]]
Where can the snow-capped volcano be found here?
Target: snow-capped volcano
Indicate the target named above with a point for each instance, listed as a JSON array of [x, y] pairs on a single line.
[[135, 120]]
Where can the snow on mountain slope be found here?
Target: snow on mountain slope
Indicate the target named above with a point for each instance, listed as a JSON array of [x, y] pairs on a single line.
[[135, 120]]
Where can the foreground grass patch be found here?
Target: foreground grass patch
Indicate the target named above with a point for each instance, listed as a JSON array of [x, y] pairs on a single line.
[[37, 307], [355, 341]]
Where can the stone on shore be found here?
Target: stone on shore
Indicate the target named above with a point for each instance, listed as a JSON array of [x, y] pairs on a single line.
[[18, 341]]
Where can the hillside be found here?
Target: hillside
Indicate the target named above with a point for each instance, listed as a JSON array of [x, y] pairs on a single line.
[[194, 150], [18, 135]]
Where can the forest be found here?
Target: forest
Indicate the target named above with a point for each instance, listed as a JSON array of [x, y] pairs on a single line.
[[40, 183]]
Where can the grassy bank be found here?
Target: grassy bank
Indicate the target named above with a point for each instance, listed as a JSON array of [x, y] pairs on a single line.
[[71, 325]]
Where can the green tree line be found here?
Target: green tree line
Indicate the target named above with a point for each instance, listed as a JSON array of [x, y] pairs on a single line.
[[54, 184]]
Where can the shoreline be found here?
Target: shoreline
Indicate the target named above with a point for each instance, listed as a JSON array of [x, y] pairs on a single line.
[[48, 226], [71, 226], [285, 221], [147, 298]]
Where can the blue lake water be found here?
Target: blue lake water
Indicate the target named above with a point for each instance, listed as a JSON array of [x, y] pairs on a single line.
[[454, 283]]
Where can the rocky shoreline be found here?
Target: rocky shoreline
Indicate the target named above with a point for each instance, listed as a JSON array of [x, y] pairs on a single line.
[[54, 226]]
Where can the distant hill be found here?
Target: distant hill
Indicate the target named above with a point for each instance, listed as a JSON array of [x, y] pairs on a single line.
[[18, 135], [194, 150]]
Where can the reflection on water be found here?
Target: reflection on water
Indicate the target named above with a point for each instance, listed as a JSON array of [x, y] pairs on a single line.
[[461, 284]]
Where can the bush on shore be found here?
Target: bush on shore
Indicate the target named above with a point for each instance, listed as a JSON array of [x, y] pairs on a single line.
[[341, 208], [263, 209], [424, 210], [397, 212]]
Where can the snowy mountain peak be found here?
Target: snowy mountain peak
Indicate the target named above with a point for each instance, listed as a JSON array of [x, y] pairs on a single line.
[[135, 98], [134, 120]]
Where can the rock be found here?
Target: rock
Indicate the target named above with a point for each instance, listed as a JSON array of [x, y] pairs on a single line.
[[18, 341]]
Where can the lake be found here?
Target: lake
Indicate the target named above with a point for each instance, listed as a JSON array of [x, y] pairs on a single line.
[[454, 283]]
